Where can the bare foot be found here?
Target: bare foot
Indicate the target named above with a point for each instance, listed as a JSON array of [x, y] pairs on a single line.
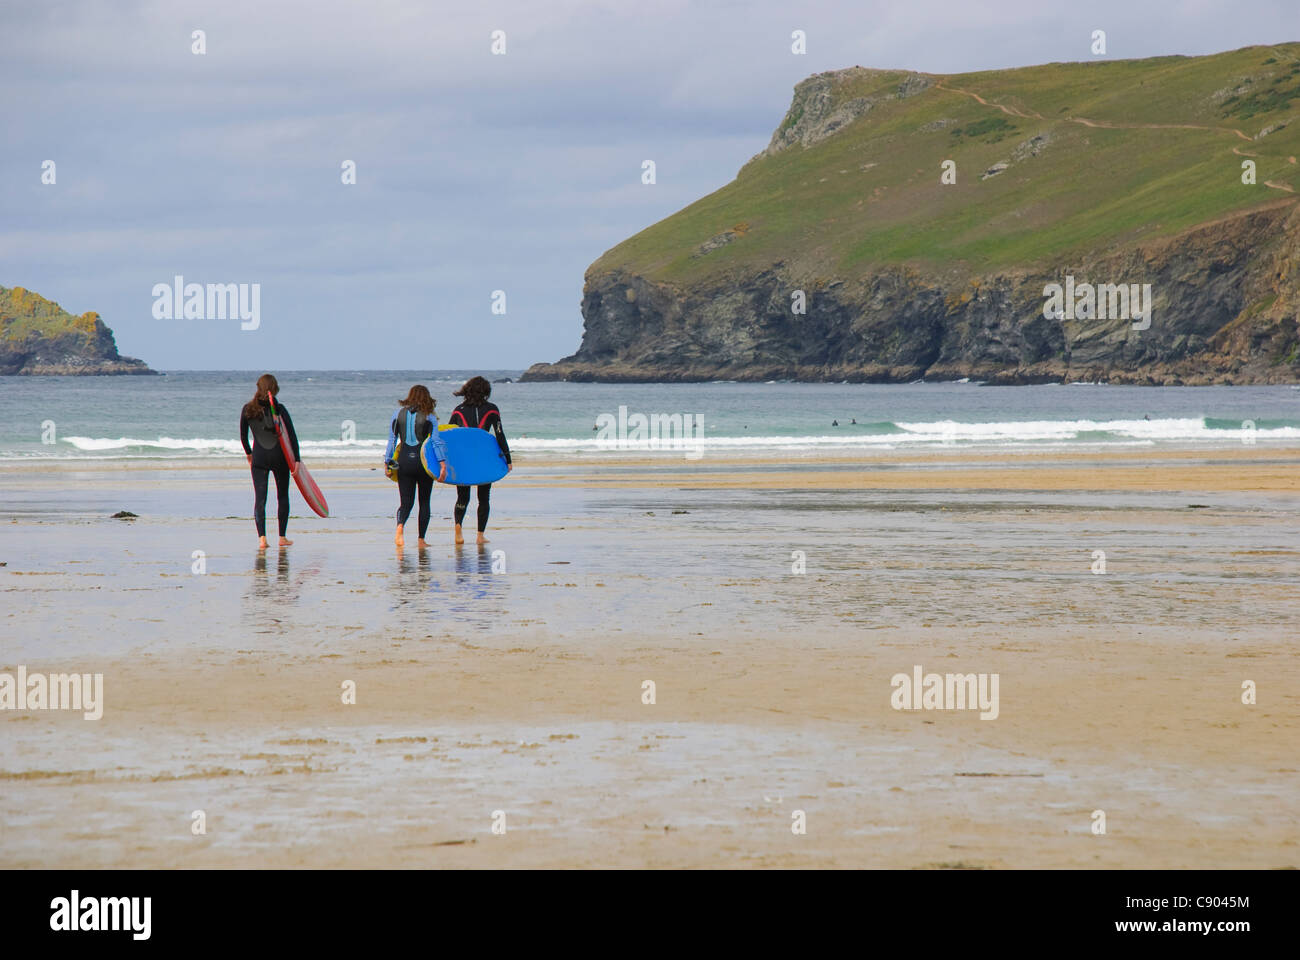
[[261, 543], [399, 538], [285, 543], [420, 544], [460, 537], [483, 539]]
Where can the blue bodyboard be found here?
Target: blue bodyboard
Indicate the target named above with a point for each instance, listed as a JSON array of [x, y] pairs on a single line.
[[473, 456]]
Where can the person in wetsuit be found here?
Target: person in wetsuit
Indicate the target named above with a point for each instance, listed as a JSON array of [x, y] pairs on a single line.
[[265, 456], [475, 411], [413, 422]]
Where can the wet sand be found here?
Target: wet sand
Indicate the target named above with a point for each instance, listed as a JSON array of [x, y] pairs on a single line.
[[514, 682]]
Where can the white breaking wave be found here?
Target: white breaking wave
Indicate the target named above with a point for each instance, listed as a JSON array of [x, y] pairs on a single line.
[[210, 446], [863, 436], [946, 431], [100, 444], [1188, 428]]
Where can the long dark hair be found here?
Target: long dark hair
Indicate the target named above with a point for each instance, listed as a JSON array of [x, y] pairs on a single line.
[[475, 391], [419, 400], [267, 387]]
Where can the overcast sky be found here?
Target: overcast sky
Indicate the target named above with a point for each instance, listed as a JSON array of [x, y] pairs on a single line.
[[475, 172]]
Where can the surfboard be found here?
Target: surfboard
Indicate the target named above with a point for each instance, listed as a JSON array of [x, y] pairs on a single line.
[[473, 456], [301, 475], [310, 492]]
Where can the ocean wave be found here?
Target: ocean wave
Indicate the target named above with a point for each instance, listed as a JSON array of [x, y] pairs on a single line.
[[888, 432], [103, 444], [1185, 428], [200, 446], [880, 435]]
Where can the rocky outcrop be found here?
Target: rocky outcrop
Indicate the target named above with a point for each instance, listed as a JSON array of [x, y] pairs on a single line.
[[39, 338], [843, 215], [816, 113], [1226, 297]]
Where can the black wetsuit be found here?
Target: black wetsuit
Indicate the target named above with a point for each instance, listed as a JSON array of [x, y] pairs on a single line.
[[411, 475], [268, 458], [485, 416]]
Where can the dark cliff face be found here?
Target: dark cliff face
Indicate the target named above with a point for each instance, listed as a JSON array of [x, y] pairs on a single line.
[[67, 354], [1225, 299]]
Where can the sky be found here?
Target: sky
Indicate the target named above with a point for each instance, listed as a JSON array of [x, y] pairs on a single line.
[[475, 172]]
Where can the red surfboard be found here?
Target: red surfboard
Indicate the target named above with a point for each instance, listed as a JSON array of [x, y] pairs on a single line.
[[306, 485]]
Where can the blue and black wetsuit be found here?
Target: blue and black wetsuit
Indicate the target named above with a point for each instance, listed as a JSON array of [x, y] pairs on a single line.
[[268, 458], [412, 429], [485, 416]]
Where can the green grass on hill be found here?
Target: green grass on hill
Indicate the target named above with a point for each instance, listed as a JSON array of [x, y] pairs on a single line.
[[998, 126], [871, 195], [24, 314]]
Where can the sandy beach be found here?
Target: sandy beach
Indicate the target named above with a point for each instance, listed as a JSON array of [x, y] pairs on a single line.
[[770, 603]]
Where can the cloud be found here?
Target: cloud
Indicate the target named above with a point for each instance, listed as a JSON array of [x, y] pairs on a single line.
[[475, 172]]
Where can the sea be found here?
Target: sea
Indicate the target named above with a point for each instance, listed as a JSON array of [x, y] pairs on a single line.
[[344, 415]]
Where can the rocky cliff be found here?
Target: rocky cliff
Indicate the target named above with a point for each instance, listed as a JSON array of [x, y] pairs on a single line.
[[38, 337], [902, 226]]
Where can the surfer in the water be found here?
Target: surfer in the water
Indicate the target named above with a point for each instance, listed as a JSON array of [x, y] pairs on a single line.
[[475, 411], [413, 422], [265, 456]]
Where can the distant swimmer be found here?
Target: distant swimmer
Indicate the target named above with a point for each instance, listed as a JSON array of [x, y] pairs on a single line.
[[853, 421], [835, 423], [1147, 417], [475, 411], [265, 456], [413, 422]]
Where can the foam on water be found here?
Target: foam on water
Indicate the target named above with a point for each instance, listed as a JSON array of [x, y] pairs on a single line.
[[877, 435], [194, 415]]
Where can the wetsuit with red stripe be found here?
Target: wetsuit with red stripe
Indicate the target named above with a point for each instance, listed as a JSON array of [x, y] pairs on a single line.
[[484, 416]]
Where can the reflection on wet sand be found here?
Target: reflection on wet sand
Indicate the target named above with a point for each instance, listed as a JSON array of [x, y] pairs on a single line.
[[411, 578], [466, 588], [268, 595], [430, 588]]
